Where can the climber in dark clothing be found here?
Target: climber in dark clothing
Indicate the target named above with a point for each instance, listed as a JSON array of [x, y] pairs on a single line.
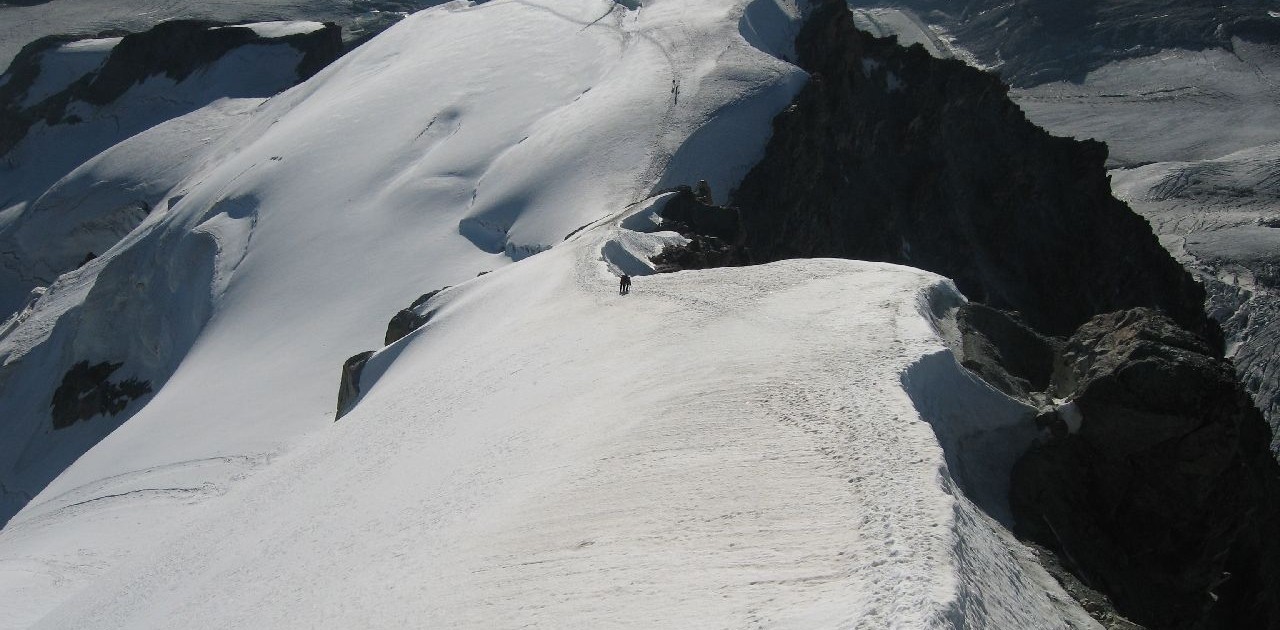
[[624, 285]]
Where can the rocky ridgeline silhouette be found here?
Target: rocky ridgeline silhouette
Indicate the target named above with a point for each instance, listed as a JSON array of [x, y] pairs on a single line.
[[1155, 486]]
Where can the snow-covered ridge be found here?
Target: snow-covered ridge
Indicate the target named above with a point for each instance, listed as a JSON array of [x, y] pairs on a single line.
[[721, 447]]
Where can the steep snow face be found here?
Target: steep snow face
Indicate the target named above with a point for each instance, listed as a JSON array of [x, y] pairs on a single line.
[[462, 139], [731, 447]]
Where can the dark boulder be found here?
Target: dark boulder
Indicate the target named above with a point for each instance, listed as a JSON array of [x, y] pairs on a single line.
[[409, 319], [889, 154], [87, 391], [1165, 497], [349, 385]]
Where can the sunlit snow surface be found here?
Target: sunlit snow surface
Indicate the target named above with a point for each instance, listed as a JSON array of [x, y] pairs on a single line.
[[731, 447], [720, 448]]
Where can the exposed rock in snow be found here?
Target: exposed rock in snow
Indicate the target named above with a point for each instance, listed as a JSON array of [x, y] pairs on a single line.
[[1166, 497], [1005, 351], [713, 235], [409, 319]]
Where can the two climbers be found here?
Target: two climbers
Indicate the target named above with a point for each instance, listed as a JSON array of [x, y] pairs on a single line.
[[624, 285]]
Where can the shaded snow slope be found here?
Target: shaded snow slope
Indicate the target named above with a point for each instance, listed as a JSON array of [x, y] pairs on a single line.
[[79, 184], [430, 154], [721, 448]]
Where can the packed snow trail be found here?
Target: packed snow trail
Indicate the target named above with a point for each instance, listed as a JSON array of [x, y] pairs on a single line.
[[720, 448]]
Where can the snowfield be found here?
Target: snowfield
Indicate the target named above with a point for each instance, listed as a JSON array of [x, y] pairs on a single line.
[[783, 445], [731, 447]]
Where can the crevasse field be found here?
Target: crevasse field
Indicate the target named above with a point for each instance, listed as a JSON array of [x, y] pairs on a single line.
[[766, 446]]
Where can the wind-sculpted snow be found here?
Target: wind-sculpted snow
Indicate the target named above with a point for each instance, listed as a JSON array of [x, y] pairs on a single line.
[[728, 447], [287, 231]]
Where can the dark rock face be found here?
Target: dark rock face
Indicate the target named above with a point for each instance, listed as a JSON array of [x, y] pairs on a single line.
[[349, 386], [1166, 495], [889, 154], [87, 391], [1048, 40], [715, 233], [173, 49], [408, 319], [1005, 352]]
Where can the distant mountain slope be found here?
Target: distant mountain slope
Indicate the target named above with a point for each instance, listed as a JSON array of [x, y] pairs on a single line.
[[1038, 41], [24, 22]]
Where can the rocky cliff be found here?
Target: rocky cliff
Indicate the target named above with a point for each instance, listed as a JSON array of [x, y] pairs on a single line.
[[889, 154], [1161, 490], [1153, 484]]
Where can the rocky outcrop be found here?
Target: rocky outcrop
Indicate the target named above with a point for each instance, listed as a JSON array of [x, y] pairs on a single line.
[[87, 391], [1163, 493], [173, 49], [889, 154], [349, 385], [715, 233], [409, 319], [1006, 352], [402, 323]]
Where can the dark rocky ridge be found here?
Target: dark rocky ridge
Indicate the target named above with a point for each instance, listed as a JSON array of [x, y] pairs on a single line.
[[889, 154], [1166, 496], [173, 49], [1040, 41], [1161, 482]]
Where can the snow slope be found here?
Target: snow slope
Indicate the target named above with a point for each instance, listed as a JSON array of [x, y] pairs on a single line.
[[731, 447], [420, 159]]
